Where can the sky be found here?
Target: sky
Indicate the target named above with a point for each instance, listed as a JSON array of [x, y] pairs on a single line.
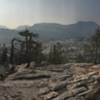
[[14, 13]]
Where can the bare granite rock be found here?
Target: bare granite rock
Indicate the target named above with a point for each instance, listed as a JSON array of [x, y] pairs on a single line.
[[56, 82]]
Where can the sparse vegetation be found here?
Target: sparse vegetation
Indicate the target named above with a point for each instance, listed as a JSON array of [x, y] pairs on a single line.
[[96, 46], [55, 54]]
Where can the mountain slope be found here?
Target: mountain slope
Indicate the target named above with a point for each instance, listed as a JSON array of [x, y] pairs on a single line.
[[53, 31], [57, 31], [82, 28], [49, 31], [6, 35]]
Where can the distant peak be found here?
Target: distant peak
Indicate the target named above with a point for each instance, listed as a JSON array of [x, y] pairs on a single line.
[[47, 24], [89, 22], [23, 27], [3, 27]]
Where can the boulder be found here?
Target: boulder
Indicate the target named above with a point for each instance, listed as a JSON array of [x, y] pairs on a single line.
[[50, 96], [57, 85], [79, 90], [43, 91], [64, 96], [30, 76]]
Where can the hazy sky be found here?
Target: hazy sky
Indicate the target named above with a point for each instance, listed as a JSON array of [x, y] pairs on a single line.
[[27, 12]]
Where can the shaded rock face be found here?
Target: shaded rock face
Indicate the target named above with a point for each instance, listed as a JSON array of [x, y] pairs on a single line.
[[94, 96], [53, 82], [8, 93]]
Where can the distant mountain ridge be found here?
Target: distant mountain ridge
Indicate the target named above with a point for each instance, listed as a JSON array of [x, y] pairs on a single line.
[[53, 31], [57, 31], [23, 27], [3, 27]]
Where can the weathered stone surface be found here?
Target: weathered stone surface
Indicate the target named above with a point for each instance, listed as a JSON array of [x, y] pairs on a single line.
[[78, 90], [58, 85], [56, 82], [44, 90], [64, 77], [50, 96], [64, 96], [30, 76], [84, 93]]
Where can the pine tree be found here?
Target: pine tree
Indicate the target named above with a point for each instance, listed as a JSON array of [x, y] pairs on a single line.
[[28, 44], [95, 41], [38, 56], [55, 55], [4, 57]]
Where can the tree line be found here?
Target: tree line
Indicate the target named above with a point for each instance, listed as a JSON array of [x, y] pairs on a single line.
[[31, 50]]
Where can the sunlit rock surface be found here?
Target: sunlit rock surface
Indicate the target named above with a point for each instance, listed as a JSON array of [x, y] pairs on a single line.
[[71, 81]]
